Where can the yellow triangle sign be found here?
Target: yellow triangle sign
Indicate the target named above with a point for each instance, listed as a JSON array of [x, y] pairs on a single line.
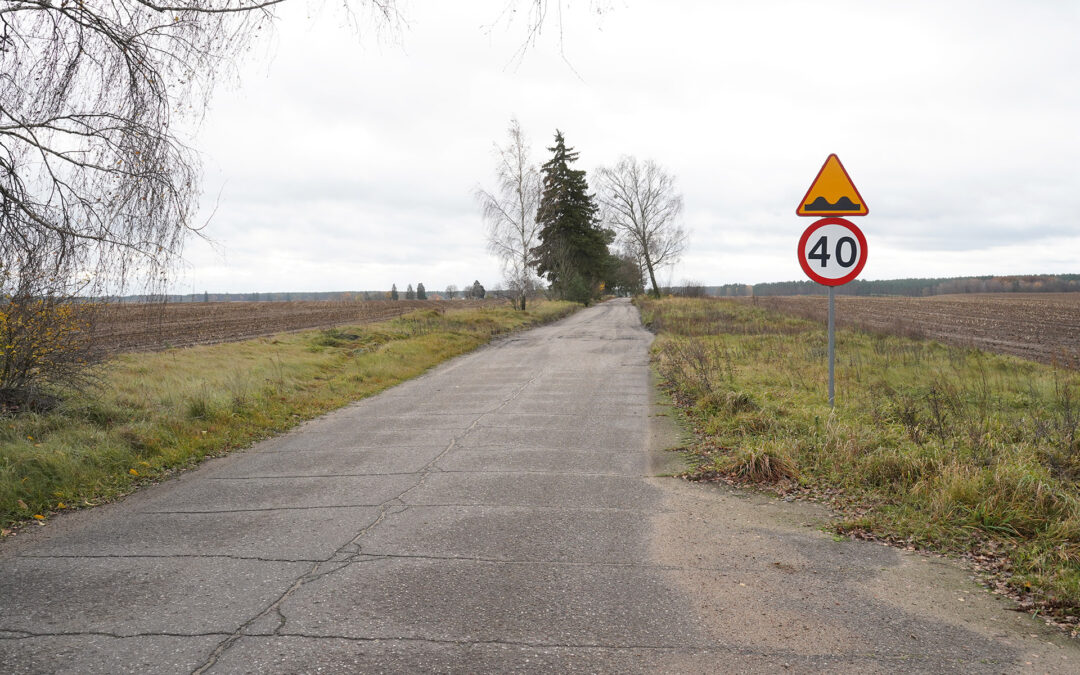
[[832, 193]]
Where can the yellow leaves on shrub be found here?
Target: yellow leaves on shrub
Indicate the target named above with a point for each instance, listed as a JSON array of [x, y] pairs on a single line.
[[39, 337]]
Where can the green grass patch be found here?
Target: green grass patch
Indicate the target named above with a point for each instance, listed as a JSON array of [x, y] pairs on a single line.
[[155, 413], [939, 447]]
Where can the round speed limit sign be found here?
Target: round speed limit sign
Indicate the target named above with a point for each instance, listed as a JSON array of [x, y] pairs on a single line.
[[832, 251]]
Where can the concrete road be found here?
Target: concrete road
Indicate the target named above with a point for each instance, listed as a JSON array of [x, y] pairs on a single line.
[[500, 514]]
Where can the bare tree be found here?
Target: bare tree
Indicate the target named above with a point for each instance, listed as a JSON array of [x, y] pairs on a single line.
[[510, 214], [451, 290], [639, 201], [97, 192], [95, 187]]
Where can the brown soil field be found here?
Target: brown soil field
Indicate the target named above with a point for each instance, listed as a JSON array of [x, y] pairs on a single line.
[[151, 326], [1038, 326]]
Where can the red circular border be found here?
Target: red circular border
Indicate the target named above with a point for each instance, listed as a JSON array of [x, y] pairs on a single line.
[[850, 276]]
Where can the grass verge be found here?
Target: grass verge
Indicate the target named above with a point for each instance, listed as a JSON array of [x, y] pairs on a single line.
[[930, 446], [155, 413]]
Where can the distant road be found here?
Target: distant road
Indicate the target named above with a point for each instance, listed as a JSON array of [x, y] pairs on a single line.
[[500, 514]]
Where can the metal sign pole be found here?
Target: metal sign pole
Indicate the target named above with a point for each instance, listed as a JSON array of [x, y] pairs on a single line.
[[832, 343]]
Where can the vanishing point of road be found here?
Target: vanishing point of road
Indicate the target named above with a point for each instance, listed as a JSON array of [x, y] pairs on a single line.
[[506, 512]]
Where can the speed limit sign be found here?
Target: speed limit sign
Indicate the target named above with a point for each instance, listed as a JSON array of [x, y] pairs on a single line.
[[832, 251]]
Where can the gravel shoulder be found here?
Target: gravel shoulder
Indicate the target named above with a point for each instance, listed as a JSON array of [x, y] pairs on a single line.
[[762, 573]]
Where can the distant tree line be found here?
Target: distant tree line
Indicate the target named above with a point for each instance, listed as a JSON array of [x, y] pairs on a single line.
[[472, 291], [1032, 283], [1035, 283], [206, 296]]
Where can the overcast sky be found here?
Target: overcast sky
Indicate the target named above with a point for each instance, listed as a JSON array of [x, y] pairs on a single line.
[[347, 160]]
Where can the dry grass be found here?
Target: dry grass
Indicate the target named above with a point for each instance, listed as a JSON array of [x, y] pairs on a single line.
[[155, 326], [159, 412], [933, 446]]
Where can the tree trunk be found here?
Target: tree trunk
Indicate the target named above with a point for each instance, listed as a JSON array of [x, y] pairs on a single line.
[[652, 277]]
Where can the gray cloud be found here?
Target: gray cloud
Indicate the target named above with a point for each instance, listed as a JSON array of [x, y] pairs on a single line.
[[352, 164]]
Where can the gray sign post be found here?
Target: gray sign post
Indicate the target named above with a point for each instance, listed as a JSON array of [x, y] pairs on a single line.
[[832, 346]]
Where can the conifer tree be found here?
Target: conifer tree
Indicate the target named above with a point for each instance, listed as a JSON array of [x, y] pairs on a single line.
[[573, 252], [421, 293], [410, 294], [393, 292]]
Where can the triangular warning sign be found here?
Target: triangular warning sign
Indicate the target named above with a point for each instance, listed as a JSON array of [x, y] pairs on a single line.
[[832, 193]]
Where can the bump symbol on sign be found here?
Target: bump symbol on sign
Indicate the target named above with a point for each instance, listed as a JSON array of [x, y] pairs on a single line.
[[832, 193]]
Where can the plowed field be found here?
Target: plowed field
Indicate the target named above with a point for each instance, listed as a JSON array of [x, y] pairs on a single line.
[[1039, 326], [150, 327]]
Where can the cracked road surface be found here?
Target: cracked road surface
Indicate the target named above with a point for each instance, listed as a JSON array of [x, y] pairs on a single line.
[[502, 513]]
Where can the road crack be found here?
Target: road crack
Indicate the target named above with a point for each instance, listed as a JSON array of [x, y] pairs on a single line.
[[351, 551]]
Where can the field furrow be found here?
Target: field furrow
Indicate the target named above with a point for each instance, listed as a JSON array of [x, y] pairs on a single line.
[[1039, 326], [151, 327]]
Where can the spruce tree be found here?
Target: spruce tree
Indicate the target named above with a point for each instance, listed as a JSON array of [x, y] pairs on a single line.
[[410, 294], [421, 292], [393, 292], [573, 252]]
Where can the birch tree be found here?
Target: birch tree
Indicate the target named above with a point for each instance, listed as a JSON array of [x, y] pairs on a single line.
[[510, 214], [640, 202]]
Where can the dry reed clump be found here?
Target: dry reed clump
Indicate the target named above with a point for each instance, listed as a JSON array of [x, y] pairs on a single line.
[[696, 367], [730, 402], [893, 468], [765, 462]]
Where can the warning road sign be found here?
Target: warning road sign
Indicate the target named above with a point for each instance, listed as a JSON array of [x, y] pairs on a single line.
[[832, 193]]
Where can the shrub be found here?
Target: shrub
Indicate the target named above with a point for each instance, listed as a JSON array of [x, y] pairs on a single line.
[[44, 343]]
